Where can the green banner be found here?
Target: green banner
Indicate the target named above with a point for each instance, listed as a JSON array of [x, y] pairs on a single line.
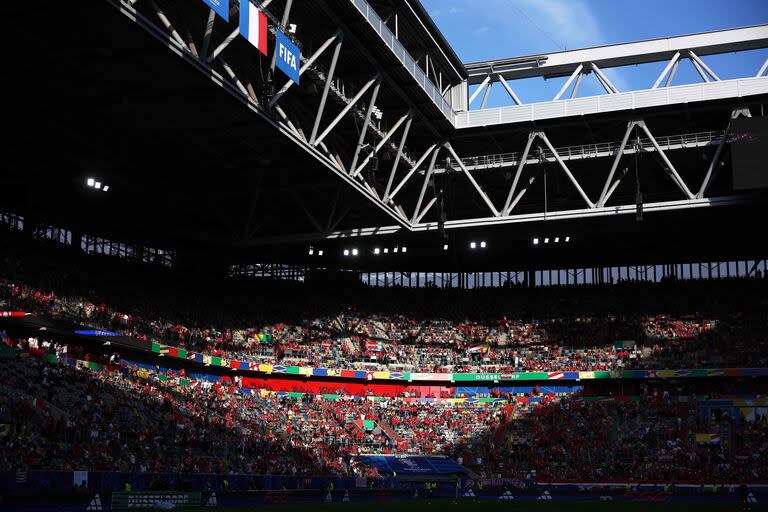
[[486, 377]]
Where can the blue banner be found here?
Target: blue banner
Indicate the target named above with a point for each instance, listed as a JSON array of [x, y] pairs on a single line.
[[93, 332], [287, 56], [220, 7]]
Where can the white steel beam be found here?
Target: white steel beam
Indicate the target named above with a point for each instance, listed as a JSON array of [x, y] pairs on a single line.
[[604, 194], [326, 89], [512, 93], [671, 168], [412, 171], [471, 178], [625, 101], [531, 137], [584, 213], [625, 54], [366, 122], [167, 23], [700, 70], [399, 154], [666, 70], [604, 78], [479, 89], [703, 65], [575, 89], [381, 143], [568, 82], [486, 95], [567, 171], [207, 35], [346, 109], [672, 74], [305, 66], [424, 185], [762, 68]]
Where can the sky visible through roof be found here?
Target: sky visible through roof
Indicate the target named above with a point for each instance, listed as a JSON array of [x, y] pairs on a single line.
[[493, 29]]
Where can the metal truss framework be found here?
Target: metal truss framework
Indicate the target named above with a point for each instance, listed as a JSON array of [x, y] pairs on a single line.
[[576, 64], [318, 142]]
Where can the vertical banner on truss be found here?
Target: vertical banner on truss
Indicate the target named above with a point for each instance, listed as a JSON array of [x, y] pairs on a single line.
[[220, 7], [288, 56], [253, 25]]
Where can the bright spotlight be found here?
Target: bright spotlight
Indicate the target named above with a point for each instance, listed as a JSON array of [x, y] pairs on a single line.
[[546, 240], [557, 239], [97, 185], [106, 187], [386, 250], [354, 252], [404, 249], [292, 28], [376, 250], [346, 252], [445, 247], [473, 245], [535, 241], [320, 252], [567, 239], [311, 251], [90, 182], [482, 245], [395, 249]]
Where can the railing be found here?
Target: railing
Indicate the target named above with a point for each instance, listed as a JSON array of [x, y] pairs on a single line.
[[404, 57], [600, 150], [711, 91]]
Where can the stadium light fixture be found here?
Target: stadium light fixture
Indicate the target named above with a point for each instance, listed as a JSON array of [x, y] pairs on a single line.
[[320, 252], [386, 250], [557, 239], [97, 185], [354, 252], [535, 241], [404, 249], [445, 247], [396, 249], [90, 182], [106, 188], [473, 245], [482, 245], [292, 28], [546, 240], [376, 250], [346, 252], [311, 251], [567, 239]]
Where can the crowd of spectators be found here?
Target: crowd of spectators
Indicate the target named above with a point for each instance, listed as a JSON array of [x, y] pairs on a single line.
[[120, 417], [349, 338], [651, 438]]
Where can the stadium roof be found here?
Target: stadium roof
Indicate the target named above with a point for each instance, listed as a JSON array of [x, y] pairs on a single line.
[[189, 167]]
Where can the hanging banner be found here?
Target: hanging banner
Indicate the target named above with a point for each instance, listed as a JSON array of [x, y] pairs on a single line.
[[253, 25], [220, 7], [287, 56]]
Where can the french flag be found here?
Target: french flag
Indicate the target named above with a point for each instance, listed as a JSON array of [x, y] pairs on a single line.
[[253, 25]]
